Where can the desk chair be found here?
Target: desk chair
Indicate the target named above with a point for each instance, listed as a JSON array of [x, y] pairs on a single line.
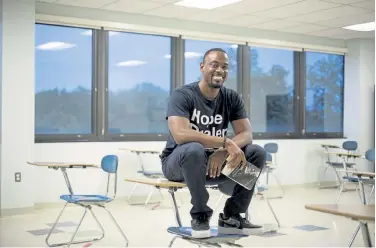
[[271, 165], [154, 173], [109, 164], [349, 148]]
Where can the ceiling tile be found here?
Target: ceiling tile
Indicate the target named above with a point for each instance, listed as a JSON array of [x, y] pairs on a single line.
[[172, 11], [130, 6], [251, 6], [327, 14], [275, 25], [354, 35], [330, 32], [344, 1], [210, 16], [296, 9], [348, 20], [245, 20], [365, 5], [85, 3], [165, 1], [46, 1], [305, 28]]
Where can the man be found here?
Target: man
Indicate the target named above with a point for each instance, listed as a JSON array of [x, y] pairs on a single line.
[[198, 116]]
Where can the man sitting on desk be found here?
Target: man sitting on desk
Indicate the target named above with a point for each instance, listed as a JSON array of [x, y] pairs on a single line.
[[198, 116]]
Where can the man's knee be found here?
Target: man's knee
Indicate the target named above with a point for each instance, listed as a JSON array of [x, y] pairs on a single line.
[[194, 152], [256, 155]]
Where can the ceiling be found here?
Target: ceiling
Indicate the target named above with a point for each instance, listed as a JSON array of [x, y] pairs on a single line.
[[322, 18]]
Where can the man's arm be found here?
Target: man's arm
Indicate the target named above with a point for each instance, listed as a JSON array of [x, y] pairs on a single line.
[[243, 132], [182, 133], [240, 122]]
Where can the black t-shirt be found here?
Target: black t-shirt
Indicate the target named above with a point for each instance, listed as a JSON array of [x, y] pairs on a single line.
[[207, 116]]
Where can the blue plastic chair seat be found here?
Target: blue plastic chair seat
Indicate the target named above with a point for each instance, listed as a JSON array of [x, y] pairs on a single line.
[[351, 179], [85, 198], [339, 164]]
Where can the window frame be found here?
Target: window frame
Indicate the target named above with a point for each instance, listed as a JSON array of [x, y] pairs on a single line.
[[59, 138], [100, 53], [110, 137]]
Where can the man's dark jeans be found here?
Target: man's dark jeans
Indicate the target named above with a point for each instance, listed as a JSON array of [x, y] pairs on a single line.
[[188, 162]]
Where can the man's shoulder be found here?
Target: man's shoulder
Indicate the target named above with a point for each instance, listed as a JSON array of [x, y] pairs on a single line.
[[230, 93], [188, 89]]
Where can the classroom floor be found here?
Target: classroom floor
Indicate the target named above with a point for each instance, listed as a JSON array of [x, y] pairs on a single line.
[[146, 227]]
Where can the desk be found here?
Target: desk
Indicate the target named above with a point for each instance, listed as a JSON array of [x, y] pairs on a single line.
[[360, 213], [63, 166]]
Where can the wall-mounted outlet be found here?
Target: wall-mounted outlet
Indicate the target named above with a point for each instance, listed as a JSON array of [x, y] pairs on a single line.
[[17, 177]]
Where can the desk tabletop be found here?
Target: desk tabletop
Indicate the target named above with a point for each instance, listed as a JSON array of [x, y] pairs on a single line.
[[353, 211], [330, 146], [357, 155], [363, 173], [137, 150], [63, 164], [163, 183]]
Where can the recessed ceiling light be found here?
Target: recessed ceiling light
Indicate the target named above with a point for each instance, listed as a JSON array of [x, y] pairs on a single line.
[[205, 4], [369, 26]]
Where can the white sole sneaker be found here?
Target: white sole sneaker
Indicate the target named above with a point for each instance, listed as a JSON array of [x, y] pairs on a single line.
[[201, 234]]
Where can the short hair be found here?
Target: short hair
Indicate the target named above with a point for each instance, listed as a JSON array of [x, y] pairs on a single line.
[[216, 49]]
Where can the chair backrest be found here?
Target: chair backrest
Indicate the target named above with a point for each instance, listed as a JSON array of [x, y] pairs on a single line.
[[370, 155], [271, 147], [350, 145], [269, 157], [109, 164]]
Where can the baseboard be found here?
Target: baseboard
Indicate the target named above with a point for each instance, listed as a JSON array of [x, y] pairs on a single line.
[[136, 199]]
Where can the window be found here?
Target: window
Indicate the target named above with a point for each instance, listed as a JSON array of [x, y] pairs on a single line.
[[63, 83], [324, 92], [272, 91], [194, 54], [139, 83], [98, 85]]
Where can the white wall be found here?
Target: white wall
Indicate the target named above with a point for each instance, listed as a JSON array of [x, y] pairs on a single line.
[[298, 160], [17, 102], [359, 95]]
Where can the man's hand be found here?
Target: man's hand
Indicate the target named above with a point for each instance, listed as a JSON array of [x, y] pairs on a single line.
[[215, 163], [236, 155]]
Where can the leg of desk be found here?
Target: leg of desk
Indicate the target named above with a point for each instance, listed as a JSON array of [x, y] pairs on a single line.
[[67, 180], [172, 192], [366, 235]]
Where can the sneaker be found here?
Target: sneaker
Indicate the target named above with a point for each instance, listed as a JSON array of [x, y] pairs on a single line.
[[236, 225], [200, 227]]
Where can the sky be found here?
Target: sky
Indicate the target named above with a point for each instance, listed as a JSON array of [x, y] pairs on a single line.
[[64, 59]]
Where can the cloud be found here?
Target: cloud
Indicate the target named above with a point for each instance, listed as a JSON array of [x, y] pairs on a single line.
[[89, 33], [55, 46], [187, 55], [131, 63], [192, 55]]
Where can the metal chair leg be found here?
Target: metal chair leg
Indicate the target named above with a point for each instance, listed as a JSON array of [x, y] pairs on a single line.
[[117, 225], [340, 191], [78, 226], [274, 214], [279, 184], [366, 235], [130, 195], [354, 235], [172, 241]]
